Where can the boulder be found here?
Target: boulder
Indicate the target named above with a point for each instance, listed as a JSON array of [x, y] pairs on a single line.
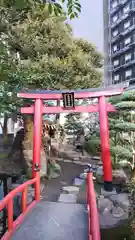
[[104, 205], [117, 212], [28, 156], [108, 221], [119, 176], [121, 200]]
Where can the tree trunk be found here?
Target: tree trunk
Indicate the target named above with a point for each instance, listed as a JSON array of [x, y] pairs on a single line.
[[58, 114], [4, 130], [133, 173]]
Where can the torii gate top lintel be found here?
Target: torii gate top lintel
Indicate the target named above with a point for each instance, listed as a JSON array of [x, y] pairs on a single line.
[[78, 94]]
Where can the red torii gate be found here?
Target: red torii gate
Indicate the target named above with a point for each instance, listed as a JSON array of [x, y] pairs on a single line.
[[102, 107]]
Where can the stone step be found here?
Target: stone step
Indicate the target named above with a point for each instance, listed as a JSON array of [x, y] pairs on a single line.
[[67, 198], [70, 189], [78, 182]]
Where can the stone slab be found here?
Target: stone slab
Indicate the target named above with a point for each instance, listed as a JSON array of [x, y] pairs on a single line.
[[107, 194], [78, 182], [52, 221], [71, 189], [67, 198]]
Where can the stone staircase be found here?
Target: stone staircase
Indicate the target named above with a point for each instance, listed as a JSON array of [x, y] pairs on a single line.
[[69, 194], [68, 153]]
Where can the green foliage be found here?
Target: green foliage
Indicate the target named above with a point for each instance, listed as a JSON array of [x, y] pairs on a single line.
[[122, 127], [125, 105], [75, 123], [128, 96], [121, 152], [38, 51], [72, 125], [92, 146], [70, 7], [53, 170], [121, 130], [125, 127]]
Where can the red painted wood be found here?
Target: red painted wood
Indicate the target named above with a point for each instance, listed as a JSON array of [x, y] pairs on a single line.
[[24, 199], [58, 109], [10, 214], [18, 221], [94, 228], [14, 192], [8, 201], [105, 143], [37, 187], [37, 137], [77, 95], [37, 145]]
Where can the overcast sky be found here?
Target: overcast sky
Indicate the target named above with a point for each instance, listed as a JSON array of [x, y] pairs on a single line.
[[89, 25]]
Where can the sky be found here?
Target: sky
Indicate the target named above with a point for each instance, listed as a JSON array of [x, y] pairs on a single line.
[[89, 25]]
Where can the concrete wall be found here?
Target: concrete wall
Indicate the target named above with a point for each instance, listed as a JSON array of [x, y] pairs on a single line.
[[105, 21]]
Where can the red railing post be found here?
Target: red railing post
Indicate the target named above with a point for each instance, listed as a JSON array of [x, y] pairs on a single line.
[[37, 187], [37, 145], [94, 227], [10, 214], [24, 199], [105, 144]]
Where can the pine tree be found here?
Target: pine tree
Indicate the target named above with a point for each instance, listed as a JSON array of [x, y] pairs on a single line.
[[72, 125], [122, 129]]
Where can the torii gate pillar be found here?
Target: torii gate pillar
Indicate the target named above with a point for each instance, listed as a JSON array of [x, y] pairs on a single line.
[[105, 144]]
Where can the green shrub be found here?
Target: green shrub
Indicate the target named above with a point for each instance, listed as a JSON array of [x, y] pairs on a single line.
[[92, 146]]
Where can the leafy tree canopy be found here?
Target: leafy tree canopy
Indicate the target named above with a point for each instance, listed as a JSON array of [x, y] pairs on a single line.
[[20, 8], [38, 50]]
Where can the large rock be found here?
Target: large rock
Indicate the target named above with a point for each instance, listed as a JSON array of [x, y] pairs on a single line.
[[119, 176], [104, 205], [117, 212], [107, 220], [121, 200], [28, 156]]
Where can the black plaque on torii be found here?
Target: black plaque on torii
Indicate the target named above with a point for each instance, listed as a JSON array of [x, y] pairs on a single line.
[[68, 100]]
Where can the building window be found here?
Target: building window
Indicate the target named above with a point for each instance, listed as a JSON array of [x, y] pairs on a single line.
[[114, 4], [127, 24], [116, 77], [116, 62], [115, 33], [127, 57], [128, 73], [126, 9], [115, 48], [115, 18], [127, 41]]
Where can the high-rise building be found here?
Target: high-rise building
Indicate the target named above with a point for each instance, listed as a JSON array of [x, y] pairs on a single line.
[[119, 41]]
